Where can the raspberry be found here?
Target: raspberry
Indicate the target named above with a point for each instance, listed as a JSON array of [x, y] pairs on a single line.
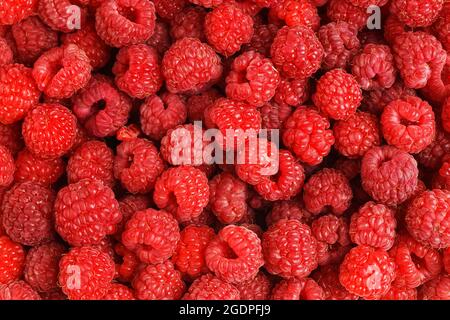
[[400, 294], [101, 107], [343, 10], [31, 168], [151, 234], [18, 290], [289, 209], [389, 175], [197, 104], [42, 266], [252, 79], [374, 68], [13, 11], [447, 260], [289, 249], [159, 282], [7, 167], [417, 13], [121, 23], [373, 225], [441, 27], [7, 55], [119, 291], [188, 24], [297, 289], [428, 218], [255, 289], [168, 9], [49, 131], [27, 213], [65, 81], [445, 115], [86, 200], [296, 13], [328, 279], [367, 3], [262, 39], [296, 52], [207, 3], [158, 114], [137, 71], [126, 269], [12, 260], [328, 188], [273, 115], [58, 14], [86, 273], [92, 160], [189, 256], [436, 289], [10, 137], [88, 40], [432, 155], [19, 93], [337, 94], [416, 263], [367, 272], [209, 287], [306, 133], [293, 92], [128, 205], [235, 254], [190, 66], [160, 40]]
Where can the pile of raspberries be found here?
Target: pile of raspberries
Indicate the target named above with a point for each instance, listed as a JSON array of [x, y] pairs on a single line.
[[95, 94]]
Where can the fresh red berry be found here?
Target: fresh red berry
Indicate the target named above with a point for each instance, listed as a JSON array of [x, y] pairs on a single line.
[[289, 209], [189, 24], [59, 15], [31, 168], [18, 290], [209, 287], [327, 278], [118, 292], [128, 205], [297, 289], [417, 13], [436, 289], [446, 260], [160, 40], [7, 55], [12, 260], [168, 9], [296, 13], [128, 263], [396, 293], [293, 92], [273, 115], [343, 10], [7, 167], [11, 138], [13, 11], [197, 104], [258, 288], [262, 39]]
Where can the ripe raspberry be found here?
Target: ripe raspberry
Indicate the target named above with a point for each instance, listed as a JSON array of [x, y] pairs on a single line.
[[436, 289], [297, 289], [188, 24], [367, 3], [447, 260], [417, 13], [416, 263], [12, 260], [445, 115], [7, 55], [258, 288], [367, 272], [158, 114], [86, 200], [296, 52], [101, 107], [31, 168], [427, 218], [293, 92], [121, 23], [337, 94], [13, 11], [373, 225], [128, 205], [58, 14], [18, 290], [343, 10], [389, 175], [396, 293], [296, 13], [190, 66], [7, 167], [374, 68], [28, 213], [262, 39], [328, 279], [92, 160], [85, 273], [87, 40], [118, 292], [197, 104], [349, 167], [129, 263], [168, 9], [49, 131], [252, 79], [159, 282], [209, 287], [19, 92], [273, 115], [160, 40], [328, 188], [289, 249], [441, 28], [10, 137], [306, 133], [289, 209], [151, 234], [431, 156], [42, 266], [207, 3]]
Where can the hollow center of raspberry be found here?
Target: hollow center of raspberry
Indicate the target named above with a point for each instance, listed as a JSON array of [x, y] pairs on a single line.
[[407, 122], [418, 262], [129, 13], [130, 160], [98, 106]]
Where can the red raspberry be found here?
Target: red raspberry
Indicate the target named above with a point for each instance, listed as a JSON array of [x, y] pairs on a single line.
[[328, 188], [431, 156], [197, 104], [101, 107], [7, 55], [160, 40], [349, 167], [374, 68], [416, 263], [86, 273], [10, 137], [190, 66], [297, 289], [49, 131], [258, 288], [337, 94], [373, 225], [273, 115], [12, 260], [262, 39], [289, 249], [416, 13], [389, 175], [129, 263], [62, 82], [445, 115], [436, 289], [13, 11], [293, 92], [159, 282], [296, 13], [288, 209], [58, 15], [343, 10], [152, 234], [118, 292], [367, 272], [28, 213], [188, 24], [367, 3], [88, 40], [428, 218], [128, 205], [137, 71], [209, 287], [19, 92], [328, 279], [441, 28], [168, 9], [53, 295], [396, 293], [31, 168], [7, 167], [207, 3], [296, 52], [446, 260], [86, 200], [252, 79], [92, 160], [306, 133], [42, 266], [18, 290], [122, 23], [235, 254]]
